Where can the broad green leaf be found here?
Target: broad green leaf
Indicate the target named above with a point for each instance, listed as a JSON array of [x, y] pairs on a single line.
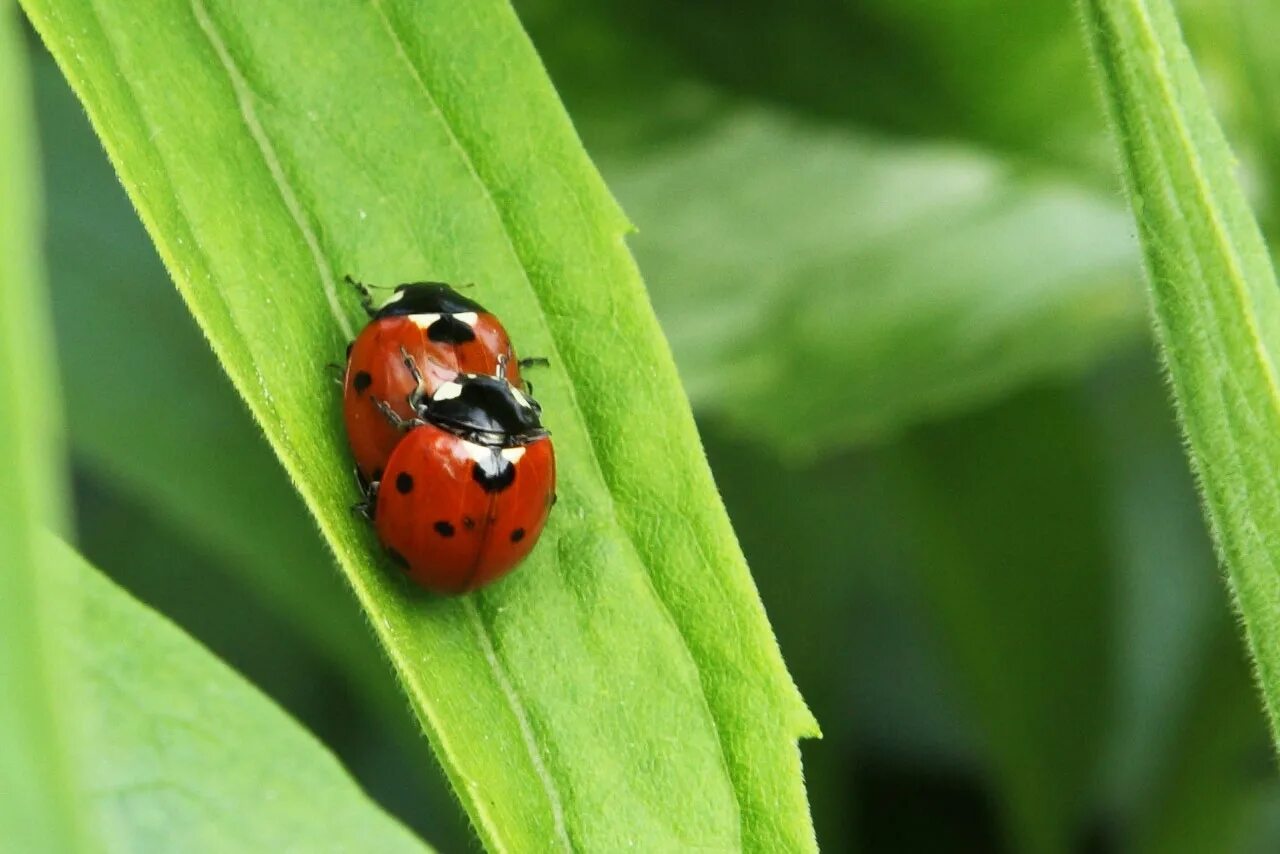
[[622, 688], [38, 811], [1216, 304], [820, 288], [179, 753], [191, 463]]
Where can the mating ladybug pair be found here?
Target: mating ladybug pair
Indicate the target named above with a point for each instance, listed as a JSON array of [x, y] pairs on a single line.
[[458, 472]]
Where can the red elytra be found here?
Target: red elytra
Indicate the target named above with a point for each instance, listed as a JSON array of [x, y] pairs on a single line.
[[443, 332], [467, 491]]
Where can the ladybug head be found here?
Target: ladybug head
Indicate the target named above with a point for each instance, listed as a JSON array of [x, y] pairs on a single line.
[[427, 298], [487, 410]]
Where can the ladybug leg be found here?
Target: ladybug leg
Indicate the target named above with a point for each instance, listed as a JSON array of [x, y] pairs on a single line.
[[366, 299], [368, 503], [534, 362], [420, 385], [394, 417]]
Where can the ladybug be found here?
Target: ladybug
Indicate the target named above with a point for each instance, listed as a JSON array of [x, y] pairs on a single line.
[[439, 329], [467, 490]]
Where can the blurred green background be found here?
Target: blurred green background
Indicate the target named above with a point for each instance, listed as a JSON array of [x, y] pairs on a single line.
[[887, 244]]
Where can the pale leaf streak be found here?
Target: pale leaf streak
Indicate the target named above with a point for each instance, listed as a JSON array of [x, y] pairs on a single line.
[[1239, 286], [244, 97], [522, 719]]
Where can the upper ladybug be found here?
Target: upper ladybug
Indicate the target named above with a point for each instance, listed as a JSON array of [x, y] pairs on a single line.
[[440, 330]]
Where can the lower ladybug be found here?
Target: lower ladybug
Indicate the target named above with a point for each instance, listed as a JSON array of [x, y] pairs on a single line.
[[442, 331], [466, 492]]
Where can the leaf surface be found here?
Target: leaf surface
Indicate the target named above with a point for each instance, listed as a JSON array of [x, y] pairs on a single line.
[[181, 753], [38, 811], [623, 688], [1214, 291]]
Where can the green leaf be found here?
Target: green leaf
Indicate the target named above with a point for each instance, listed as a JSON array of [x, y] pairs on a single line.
[[789, 244], [190, 463], [180, 753], [871, 284], [1216, 304], [38, 811], [622, 688]]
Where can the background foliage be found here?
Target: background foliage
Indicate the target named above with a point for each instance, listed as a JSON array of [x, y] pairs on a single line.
[[888, 247]]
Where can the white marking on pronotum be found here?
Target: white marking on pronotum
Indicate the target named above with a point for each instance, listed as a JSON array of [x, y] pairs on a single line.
[[447, 391], [244, 97], [422, 321], [513, 455], [467, 317], [478, 453], [398, 295], [520, 398]]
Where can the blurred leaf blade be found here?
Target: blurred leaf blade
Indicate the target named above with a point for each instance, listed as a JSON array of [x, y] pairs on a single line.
[[180, 753], [873, 275], [292, 180], [901, 282], [39, 811], [1216, 304]]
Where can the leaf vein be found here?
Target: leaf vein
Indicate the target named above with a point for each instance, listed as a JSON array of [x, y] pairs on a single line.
[[244, 99]]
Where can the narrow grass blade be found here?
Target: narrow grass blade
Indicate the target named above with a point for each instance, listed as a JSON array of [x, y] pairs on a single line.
[[1214, 292]]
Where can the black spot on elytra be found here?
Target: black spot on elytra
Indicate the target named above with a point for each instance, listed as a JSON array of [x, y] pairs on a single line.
[[361, 381], [397, 558], [494, 473], [517, 535], [404, 483], [468, 523], [443, 528], [450, 330]]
